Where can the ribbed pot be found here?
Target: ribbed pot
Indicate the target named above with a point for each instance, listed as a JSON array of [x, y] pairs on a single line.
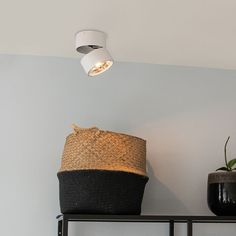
[[221, 193]]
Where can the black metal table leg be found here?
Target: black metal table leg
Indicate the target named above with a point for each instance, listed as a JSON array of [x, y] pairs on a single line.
[[59, 230], [171, 228], [64, 227], [189, 228]]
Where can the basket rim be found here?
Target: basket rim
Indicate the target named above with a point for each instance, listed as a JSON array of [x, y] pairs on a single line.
[[98, 170], [106, 168]]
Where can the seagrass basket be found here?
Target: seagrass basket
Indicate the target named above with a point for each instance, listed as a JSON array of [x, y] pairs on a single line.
[[91, 148], [102, 172], [101, 192]]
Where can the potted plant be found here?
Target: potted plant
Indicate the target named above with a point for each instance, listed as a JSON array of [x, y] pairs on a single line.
[[221, 190]]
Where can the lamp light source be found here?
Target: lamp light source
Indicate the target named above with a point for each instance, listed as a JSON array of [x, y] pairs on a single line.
[[93, 44]]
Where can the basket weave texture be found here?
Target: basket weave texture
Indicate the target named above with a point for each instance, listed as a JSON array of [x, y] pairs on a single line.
[[101, 192], [88, 149]]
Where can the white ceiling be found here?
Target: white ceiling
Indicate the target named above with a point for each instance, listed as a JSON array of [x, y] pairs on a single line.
[[177, 32]]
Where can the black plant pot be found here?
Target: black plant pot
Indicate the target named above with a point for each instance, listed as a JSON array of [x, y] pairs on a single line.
[[101, 192], [221, 193]]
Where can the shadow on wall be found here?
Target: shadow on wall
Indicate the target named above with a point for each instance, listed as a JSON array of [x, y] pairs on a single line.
[[159, 199]]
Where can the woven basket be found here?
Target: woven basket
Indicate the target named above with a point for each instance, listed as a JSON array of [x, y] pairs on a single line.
[[101, 192], [94, 149]]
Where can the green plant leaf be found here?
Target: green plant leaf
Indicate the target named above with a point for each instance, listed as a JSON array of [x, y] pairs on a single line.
[[223, 168], [231, 163], [225, 152]]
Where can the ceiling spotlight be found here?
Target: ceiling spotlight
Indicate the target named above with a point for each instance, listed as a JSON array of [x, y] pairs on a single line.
[[93, 44]]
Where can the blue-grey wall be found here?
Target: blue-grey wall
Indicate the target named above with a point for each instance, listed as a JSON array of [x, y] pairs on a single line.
[[185, 114]]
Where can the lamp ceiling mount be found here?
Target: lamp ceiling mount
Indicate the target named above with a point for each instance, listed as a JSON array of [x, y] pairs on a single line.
[[88, 40]]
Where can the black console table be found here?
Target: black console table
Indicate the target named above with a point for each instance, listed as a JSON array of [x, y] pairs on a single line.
[[64, 219]]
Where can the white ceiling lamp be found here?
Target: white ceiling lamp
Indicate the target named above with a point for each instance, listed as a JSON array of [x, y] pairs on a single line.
[[93, 44]]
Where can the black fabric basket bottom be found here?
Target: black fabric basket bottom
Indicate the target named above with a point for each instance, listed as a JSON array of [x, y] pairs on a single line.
[[101, 192]]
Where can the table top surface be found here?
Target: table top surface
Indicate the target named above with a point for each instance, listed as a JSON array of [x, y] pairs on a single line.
[[147, 218]]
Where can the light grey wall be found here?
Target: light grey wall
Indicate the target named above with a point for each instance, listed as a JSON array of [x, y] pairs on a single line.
[[185, 114]]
